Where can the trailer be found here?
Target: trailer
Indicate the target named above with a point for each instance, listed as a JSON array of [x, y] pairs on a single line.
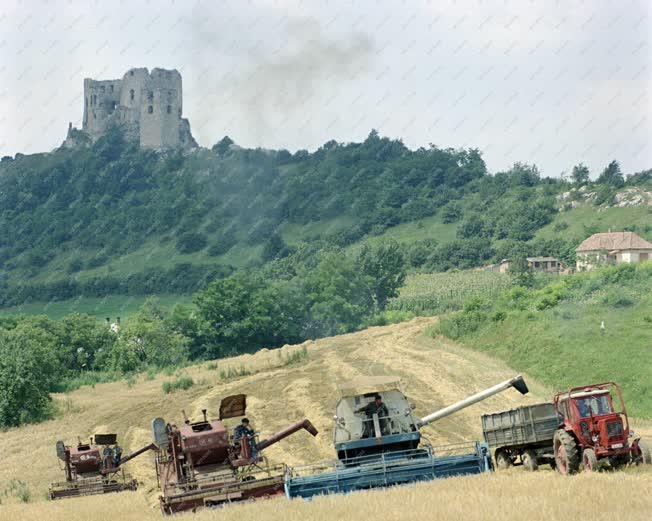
[[522, 436]]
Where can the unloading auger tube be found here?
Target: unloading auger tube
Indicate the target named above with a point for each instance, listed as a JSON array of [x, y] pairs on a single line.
[[305, 424], [517, 383]]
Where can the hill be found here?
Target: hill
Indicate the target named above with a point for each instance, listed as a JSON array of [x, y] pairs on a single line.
[[110, 219], [283, 388], [552, 330]]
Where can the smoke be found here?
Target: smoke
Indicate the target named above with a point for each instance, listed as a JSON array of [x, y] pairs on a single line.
[[276, 87]]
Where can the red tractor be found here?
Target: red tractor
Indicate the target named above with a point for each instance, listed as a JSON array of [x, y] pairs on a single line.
[[594, 429]]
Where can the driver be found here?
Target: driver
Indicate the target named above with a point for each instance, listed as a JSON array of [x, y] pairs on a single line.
[[375, 407]]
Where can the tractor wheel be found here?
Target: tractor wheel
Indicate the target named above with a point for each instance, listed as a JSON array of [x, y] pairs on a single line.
[[529, 459], [589, 461], [503, 461], [644, 453], [567, 457]]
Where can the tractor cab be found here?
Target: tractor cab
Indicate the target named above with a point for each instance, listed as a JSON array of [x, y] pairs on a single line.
[[596, 415], [359, 427]]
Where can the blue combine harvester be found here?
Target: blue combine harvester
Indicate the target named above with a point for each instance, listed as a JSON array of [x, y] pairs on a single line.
[[378, 442]]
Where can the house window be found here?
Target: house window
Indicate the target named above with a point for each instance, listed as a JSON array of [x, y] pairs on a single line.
[[150, 95], [150, 109], [131, 94], [94, 115], [131, 73], [643, 256], [102, 89], [169, 109], [111, 88]]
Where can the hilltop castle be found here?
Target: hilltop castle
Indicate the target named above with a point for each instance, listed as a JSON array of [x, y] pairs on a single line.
[[148, 106]]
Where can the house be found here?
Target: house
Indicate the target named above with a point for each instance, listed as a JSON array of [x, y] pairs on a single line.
[[545, 264], [612, 248]]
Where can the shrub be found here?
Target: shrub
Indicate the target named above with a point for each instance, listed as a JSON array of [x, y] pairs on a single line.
[[498, 316], [617, 298], [182, 383], [462, 323], [191, 242]]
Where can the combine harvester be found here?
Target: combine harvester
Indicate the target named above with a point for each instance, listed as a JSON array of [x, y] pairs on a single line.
[[94, 468], [199, 464], [375, 451]]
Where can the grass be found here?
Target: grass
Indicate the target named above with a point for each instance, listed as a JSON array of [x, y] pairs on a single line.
[[505, 495], [555, 335], [182, 383], [101, 307], [586, 220]]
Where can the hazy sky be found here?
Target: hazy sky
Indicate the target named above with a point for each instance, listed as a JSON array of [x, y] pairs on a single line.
[[553, 83]]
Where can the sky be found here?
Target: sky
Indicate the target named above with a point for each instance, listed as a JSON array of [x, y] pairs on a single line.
[[553, 83]]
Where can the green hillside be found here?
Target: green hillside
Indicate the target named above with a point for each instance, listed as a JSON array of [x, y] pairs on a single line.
[[553, 330], [110, 219]]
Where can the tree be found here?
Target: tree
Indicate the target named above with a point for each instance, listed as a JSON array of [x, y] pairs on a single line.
[[191, 242], [274, 248], [146, 339], [222, 146], [383, 267], [580, 175], [28, 370], [451, 212], [612, 175], [520, 272]]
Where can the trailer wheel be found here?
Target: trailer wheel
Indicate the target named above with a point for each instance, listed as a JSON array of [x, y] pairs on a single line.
[[503, 461], [529, 459], [589, 461], [567, 457]]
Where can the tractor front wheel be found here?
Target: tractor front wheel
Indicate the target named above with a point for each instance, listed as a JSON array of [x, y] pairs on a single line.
[[503, 461], [589, 461], [529, 459], [567, 458]]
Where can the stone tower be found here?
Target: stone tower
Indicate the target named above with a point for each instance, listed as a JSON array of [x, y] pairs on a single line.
[[148, 106]]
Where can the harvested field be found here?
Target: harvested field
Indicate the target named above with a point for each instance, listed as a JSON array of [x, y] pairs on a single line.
[[283, 389]]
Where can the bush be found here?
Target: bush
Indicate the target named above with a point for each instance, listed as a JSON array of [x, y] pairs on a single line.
[[617, 298], [462, 323], [191, 242], [182, 383]]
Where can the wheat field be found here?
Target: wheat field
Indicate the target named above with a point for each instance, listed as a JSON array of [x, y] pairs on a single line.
[[434, 372]]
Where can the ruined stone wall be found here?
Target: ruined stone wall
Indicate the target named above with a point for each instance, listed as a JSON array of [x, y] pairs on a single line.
[[147, 106]]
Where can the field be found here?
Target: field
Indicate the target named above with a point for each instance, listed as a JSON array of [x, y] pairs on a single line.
[[281, 390], [437, 292]]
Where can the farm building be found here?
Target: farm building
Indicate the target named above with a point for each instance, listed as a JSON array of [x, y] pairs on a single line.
[[545, 264], [612, 248]]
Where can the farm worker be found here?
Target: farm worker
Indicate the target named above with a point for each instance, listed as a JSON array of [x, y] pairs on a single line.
[[107, 457], [243, 430], [117, 455], [375, 407]]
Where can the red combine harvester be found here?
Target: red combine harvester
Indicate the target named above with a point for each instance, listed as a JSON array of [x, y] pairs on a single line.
[[594, 429], [94, 468], [200, 464]]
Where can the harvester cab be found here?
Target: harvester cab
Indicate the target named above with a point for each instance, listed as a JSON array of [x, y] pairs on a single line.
[[361, 430], [594, 428], [358, 431]]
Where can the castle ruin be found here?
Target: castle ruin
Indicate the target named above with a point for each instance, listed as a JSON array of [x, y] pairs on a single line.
[[147, 106]]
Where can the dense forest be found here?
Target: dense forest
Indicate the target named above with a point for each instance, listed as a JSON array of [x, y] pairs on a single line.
[[91, 205]]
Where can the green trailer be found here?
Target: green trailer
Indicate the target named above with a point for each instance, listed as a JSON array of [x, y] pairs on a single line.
[[522, 436]]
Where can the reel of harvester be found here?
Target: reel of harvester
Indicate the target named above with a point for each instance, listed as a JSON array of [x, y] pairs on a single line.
[[94, 468]]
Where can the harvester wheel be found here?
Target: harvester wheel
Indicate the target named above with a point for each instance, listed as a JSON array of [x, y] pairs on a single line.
[[589, 461], [567, 457], [503, 461], [644, 453], [529, 459]]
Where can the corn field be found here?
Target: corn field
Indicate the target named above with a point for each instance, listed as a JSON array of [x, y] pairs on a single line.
[[437, 292]]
